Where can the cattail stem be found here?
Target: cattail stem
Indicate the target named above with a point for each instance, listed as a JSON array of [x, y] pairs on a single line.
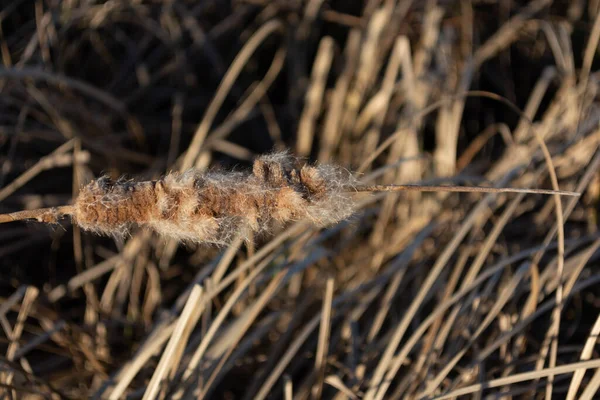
[[459, 189], [49, 215]]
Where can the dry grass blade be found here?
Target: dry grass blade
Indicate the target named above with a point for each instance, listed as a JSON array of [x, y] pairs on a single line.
[[45, 163], [523, 377], [517, 328], [387, 366], [592, 388], [6, 378], [337, 383], [38, 74], [314, 96], [503, 298], [234, 70], [586, 354], [172, 354], [131, 369], [416, 119], [323, 344], [288, 391], [287, 357], [509, 31], [242, 325], [218, 321], [438, 312]]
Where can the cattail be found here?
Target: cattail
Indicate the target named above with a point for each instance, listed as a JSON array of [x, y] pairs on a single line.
[[212, 207]]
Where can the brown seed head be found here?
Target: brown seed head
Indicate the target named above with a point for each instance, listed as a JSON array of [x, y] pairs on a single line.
[[213, 207]]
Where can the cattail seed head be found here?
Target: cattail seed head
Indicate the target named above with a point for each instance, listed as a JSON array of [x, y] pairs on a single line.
[[213, 207]]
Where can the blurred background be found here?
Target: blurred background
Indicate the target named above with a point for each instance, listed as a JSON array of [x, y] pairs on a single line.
[[418, 295]]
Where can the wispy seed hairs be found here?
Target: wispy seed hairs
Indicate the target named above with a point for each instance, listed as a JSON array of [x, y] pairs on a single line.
[[210, 207], [214, 206]]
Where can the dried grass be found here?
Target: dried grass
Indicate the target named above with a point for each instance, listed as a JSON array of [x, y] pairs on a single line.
[[316, 290]]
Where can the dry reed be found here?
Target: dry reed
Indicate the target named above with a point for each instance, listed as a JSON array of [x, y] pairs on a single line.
[[214, 207], [434, 296]]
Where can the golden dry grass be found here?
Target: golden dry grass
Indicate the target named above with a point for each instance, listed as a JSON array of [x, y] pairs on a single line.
[[417, 296]]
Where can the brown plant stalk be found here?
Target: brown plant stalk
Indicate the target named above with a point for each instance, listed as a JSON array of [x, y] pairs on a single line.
[[213, 207]]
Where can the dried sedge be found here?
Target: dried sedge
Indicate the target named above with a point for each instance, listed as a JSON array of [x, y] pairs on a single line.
[[212, 207]]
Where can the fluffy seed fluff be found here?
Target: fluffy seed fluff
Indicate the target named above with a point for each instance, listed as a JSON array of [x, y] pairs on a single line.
[[213, 207]]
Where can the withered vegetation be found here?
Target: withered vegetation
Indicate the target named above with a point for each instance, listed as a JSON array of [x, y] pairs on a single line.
[[416, 296]]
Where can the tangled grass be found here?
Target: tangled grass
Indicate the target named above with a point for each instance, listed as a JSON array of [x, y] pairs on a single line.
[[418, 296]]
